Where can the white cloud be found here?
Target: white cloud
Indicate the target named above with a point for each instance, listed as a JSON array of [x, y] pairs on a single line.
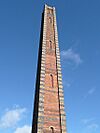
[[93, 126], [71, 56], [91, 91], [24, 129], [11, 117], [66, 84], [90, 124], [86, 121]]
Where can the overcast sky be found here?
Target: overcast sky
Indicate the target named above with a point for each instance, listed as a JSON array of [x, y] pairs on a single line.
[[79, 39]]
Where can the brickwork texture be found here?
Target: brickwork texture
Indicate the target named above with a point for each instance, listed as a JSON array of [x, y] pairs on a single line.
[[49, 115]]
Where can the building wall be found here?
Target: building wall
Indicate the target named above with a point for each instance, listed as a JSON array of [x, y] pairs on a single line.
[[49, 114]]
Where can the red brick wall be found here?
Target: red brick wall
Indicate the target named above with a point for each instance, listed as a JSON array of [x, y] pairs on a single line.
[[51, 97]]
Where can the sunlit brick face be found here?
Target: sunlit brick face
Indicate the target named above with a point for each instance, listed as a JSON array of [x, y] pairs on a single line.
[[51, 100], [49, 115]]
